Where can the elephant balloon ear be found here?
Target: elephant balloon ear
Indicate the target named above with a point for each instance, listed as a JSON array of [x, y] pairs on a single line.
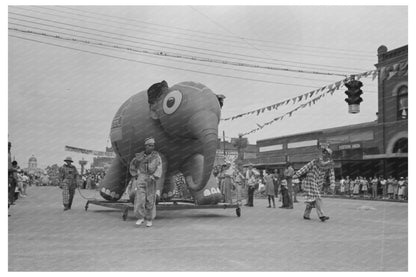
[[154, 94], [156, 91]]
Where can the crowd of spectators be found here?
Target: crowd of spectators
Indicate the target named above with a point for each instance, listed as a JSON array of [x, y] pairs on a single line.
[[376, 187], [91, 178]]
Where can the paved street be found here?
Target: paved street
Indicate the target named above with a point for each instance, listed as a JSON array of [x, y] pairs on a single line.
[[360, 236]]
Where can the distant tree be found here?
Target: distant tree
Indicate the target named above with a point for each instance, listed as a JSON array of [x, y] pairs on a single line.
[[53, 172]]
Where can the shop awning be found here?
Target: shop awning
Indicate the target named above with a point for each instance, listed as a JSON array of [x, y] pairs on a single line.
[[385, 156]]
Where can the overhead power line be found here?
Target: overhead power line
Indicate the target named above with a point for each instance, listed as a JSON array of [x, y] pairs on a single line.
[[142, 39], [182, 56], [199, 64], [136, 42], [157, 65], [235, 45], [215, 35]]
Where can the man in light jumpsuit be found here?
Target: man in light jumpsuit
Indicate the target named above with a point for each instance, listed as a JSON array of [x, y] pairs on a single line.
[[145, 168]]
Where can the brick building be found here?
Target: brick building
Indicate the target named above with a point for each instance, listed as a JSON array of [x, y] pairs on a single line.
[[379, 147]]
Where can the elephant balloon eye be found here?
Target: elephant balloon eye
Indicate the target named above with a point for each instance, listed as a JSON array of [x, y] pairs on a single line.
[[172, 101]]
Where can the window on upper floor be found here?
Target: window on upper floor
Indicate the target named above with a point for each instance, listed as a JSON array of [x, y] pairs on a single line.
[[402, 109]]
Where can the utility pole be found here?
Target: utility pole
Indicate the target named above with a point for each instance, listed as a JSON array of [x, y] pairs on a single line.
[[240, 144], [223, 139]]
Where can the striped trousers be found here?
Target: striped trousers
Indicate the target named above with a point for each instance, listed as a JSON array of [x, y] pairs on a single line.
[[68, 191]]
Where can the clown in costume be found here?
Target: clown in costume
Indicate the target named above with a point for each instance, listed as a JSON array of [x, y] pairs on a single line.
[[316, 172], [145, 168]]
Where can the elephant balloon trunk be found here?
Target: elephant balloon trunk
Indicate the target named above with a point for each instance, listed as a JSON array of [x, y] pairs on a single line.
[[197, 170]]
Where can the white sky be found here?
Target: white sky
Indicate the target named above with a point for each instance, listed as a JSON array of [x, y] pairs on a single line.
[[59, 96]]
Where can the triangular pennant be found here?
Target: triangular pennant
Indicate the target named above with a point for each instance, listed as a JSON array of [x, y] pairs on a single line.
[[300, 98], [311, 93], [269, 108], [294, 100], [383, 73], [374, 75], [338, 84]]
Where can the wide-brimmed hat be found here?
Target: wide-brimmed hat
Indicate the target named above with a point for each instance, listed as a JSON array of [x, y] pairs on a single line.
[[68, 159]]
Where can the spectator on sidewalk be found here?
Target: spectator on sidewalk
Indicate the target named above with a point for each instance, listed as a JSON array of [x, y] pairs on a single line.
[[364, 186], [405, 191], [285, 195], [288, 174], [383, 184], [390, 188], [349, 186], [374, 187], [227, 183], [402, 185], [276, 183], [250, 177], [12, 176], [395, 188], [342, 186], [239, 183], [268, 179], [356, 190]]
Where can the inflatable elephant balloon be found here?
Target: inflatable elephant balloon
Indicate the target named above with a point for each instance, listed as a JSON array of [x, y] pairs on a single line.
[[183, 120]]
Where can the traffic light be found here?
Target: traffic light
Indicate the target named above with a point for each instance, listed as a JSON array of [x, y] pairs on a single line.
[[354, 91]]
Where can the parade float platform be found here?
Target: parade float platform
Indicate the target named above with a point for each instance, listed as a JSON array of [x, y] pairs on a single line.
[[174, 204]]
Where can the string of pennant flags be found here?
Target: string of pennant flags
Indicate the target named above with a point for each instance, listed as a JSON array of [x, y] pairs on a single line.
[[386, 72], [294, 100]]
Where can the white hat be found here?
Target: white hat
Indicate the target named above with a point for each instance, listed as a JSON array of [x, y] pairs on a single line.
[[149, 141], [68, 159], [327, 149]]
